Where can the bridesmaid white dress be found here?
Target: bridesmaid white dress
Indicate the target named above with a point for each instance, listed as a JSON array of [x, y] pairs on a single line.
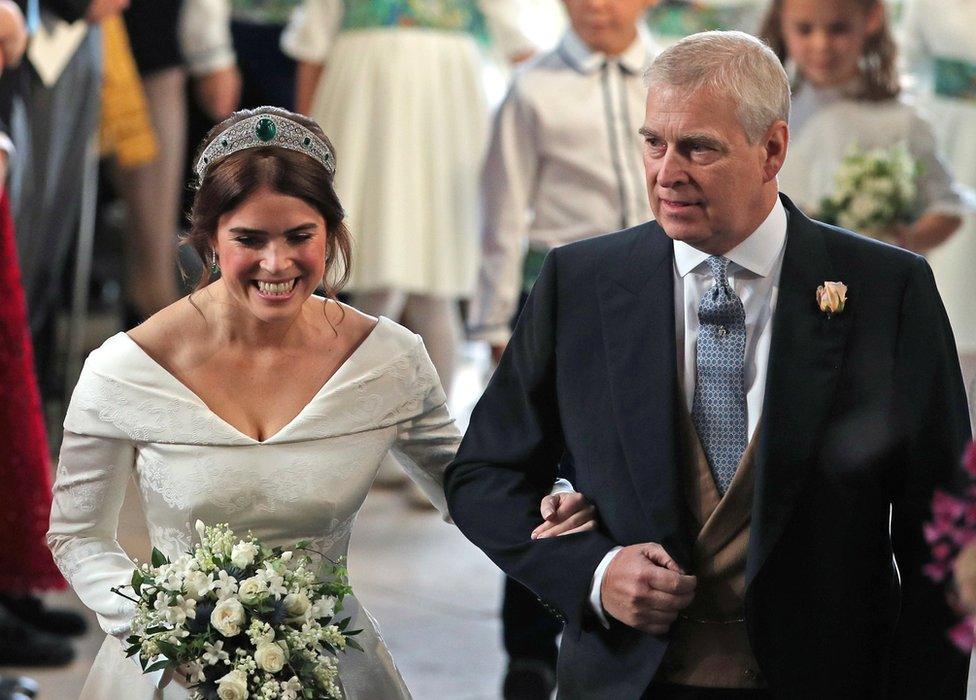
[[129, 417]]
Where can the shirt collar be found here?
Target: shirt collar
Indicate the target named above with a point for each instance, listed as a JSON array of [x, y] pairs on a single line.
[[634, 59], [758, 253]]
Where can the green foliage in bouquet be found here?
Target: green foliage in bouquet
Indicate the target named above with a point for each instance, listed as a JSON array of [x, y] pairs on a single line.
[[238, 619], [875, 190]]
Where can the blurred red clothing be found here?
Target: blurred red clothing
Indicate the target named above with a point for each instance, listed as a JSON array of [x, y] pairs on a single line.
[[25, 475]]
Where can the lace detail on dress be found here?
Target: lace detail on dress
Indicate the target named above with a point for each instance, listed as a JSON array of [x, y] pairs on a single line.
[[71, 559], [338, 532], [217, 479], [141, 420], [126, 609], [171, 541], [415, 378], [154, 475], [86, 490]]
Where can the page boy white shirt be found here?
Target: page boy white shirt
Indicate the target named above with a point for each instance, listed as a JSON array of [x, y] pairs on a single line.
[[564, 164]]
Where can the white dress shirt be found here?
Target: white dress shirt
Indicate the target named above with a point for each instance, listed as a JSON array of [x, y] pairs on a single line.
[[564, 164], [754, 270]]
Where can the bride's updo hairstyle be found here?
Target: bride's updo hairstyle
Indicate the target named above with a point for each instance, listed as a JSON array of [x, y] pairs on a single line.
[[230, 180]]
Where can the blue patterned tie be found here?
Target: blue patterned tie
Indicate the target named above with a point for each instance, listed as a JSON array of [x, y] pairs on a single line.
[[719, 407]]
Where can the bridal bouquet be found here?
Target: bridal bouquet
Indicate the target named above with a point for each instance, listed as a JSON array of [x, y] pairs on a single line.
[[241, 620], [951, 535], [875, 190]]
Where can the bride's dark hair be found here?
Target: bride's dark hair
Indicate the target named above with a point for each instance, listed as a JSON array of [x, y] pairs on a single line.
[[231, 180]]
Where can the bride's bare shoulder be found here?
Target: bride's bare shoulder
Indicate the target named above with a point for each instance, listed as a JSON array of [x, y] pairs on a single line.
[[171, 331]]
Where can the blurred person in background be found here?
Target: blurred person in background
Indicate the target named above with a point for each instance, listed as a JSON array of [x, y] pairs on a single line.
[[30, 633], [846, 95], [50, 106], [940, 55], [168, 39], [398, 86], [671, 20], [54, 95], [563, 164]]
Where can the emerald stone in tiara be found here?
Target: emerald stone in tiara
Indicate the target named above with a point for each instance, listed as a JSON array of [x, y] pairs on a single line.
[[260, 131]]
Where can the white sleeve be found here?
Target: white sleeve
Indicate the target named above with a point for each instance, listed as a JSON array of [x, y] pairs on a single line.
[[88, 494], [312, 29], [502, 18], [508, 188], [595, 601], [938, 192], [426, 443], [204, 35]]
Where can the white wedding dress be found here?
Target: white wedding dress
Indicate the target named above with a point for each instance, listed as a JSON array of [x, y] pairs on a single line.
[[129, 417]]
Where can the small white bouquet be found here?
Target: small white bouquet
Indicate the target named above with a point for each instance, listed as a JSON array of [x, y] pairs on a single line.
[[238, 619], [875, 191]]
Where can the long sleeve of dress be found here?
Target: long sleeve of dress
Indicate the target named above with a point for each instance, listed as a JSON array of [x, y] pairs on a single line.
[[508, 187], [426, 443], [92, 474], [312, 29]]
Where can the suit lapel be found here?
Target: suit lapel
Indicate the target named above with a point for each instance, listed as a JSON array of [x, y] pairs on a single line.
[[637, 315], [805, 358]]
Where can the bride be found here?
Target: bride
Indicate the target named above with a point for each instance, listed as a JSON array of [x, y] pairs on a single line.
[[251, 401]]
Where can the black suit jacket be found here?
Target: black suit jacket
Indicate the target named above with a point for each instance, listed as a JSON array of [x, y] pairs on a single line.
[[864, 414]]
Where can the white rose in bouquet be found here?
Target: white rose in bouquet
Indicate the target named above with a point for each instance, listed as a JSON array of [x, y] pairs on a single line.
[[252, 590], [228, 617], [243, 554], [233, 686], [270, 657], [282, 598], [297, 604]]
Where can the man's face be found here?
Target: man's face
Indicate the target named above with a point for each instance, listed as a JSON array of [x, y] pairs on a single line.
[[707, 185], [607, 26]]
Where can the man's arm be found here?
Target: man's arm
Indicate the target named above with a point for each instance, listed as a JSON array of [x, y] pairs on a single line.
[[507, 462], [935, 425]]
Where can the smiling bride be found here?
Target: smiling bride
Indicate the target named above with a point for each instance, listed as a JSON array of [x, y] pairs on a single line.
[[252, 401]]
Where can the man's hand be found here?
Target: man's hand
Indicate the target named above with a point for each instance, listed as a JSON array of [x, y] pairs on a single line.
[[644, 588], [564, 514], [219, 93], [100, 9]]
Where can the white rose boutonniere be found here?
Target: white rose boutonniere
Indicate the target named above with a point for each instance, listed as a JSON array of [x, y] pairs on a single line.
[[832, 298], [233, 686], [228, 617]]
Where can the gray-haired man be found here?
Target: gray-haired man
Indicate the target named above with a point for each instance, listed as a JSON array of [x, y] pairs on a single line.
[[744, 446]]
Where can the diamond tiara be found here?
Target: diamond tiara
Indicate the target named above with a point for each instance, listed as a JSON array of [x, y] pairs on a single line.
[[265, 130]]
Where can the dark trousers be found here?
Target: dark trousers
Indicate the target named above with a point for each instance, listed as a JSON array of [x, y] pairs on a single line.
[[667, 691]]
